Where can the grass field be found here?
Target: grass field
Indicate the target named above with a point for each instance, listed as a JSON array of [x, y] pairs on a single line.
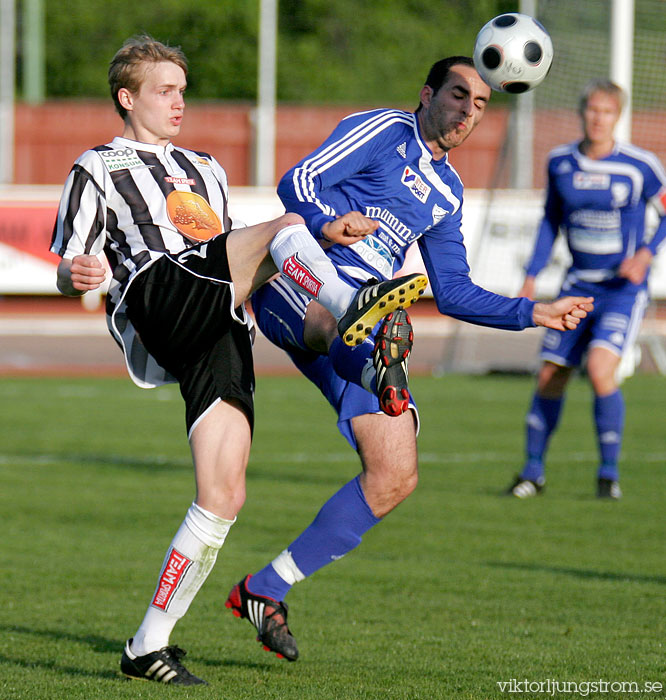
[[458, 590]]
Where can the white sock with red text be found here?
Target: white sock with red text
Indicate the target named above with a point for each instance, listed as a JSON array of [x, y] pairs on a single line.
[[189, 559], [304, 265]]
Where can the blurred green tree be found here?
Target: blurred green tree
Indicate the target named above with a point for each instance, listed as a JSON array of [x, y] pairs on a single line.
[[343, 51]]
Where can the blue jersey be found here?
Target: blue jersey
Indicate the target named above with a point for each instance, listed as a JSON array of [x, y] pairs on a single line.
[[600, 207], [377, 163]]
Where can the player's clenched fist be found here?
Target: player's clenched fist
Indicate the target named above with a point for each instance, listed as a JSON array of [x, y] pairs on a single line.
[[562, 314], [80, 274], [349, 228]]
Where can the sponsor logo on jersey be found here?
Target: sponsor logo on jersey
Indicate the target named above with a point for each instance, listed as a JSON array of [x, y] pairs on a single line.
[[174, 571], [402, 149], [180, 180], [121, 159], [199, 160], [302, 275], [591, 181], [376, 254], [191, 214], [412, 180], [438, 213], [392, 222]]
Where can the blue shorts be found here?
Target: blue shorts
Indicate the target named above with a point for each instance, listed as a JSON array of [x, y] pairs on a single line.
[[280, 314], [614, 325]]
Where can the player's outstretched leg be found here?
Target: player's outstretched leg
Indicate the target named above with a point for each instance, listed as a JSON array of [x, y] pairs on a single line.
[[391, 357], [163, 666], [269, 616], [375, 300]]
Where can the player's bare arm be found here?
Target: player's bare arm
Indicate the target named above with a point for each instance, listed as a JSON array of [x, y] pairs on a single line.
[[349, 228], [563, 314], [80, 274], [636, 267], [528, 288]]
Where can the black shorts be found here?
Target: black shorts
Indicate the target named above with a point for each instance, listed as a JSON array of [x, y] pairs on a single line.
[[181, 309]]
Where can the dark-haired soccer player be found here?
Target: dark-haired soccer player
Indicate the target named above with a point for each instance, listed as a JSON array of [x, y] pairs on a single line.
[[180, 275], [598, 191], [379, 183]]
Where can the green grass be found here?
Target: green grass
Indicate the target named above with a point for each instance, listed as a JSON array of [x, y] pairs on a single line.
[[457, 590]]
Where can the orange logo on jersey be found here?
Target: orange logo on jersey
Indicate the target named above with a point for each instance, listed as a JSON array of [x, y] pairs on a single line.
[[191, 214]]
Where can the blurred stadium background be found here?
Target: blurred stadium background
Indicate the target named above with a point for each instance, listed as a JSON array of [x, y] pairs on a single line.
[[251, 112]]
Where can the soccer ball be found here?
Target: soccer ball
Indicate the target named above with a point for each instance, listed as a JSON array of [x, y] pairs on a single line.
[[513, 53]]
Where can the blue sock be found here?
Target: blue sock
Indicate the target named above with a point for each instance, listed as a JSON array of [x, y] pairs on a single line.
[[350, 363], [609, 420], [336, 530], [541, 420]]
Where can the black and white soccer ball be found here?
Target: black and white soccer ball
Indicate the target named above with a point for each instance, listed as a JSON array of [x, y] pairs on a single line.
[[513, 53]]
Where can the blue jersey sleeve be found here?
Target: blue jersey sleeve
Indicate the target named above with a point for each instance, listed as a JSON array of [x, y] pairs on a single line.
[[659, 234], [548, 228], [349, 149], [654, 191], [445, 258]]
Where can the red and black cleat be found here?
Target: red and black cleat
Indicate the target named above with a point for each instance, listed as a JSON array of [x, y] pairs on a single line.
[[391, 359], [269, 616]]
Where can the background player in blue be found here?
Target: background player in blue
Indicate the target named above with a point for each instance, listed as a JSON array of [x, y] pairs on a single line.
[[181, 272], [598, 191], [380, 182]]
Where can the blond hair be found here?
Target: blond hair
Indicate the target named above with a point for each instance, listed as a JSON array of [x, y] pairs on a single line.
[[126, 69], [600, 85]]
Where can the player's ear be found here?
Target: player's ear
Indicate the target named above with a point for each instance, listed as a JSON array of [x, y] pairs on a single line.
[[425, 95], [125, 98]]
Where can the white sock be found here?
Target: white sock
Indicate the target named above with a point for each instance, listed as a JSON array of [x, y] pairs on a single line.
[[369, 376], [306, 268], [286, 568], [188, 561]]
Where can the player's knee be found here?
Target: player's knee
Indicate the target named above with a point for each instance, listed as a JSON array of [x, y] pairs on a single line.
[[289, 219], [224, 500], [398, 486], [603, 382], [552, 379], [408, 485]]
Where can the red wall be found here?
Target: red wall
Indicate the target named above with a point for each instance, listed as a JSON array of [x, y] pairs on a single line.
[[49, 137]]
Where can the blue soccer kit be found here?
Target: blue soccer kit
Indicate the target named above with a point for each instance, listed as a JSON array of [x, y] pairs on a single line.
[[377, 163], [600, 206]]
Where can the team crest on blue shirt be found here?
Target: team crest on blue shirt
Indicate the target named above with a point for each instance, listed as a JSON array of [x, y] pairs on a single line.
[[438, 213], [412, 180], [620, 192]]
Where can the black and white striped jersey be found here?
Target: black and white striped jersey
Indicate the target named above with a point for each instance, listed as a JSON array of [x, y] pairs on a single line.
[[135, 202]]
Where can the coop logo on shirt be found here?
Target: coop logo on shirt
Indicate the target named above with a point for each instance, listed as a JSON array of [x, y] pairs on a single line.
[[121, 159], [591, 181], [412, 180]]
